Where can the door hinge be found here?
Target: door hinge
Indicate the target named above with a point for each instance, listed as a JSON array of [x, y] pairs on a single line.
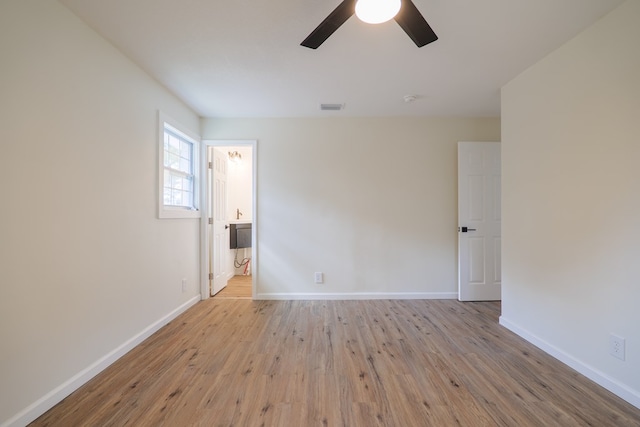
[[210, 276], [210, 165], [210, 220]]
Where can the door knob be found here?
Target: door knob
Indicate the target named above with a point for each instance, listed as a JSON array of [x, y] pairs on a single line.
[[465, 229]]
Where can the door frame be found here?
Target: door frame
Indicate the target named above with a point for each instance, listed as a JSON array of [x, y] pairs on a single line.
[[206, 201]]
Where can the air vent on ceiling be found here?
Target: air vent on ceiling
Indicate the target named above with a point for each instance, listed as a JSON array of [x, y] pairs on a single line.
[[331, 107]]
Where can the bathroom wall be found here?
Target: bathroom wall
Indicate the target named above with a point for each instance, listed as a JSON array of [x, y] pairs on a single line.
[[239, 180], [239, 190]]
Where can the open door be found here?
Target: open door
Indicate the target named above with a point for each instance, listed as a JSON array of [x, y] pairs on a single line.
[[218, 193], [479, 221], [218, 224]]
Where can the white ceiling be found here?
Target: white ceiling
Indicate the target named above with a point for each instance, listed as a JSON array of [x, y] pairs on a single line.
[[242, 58]]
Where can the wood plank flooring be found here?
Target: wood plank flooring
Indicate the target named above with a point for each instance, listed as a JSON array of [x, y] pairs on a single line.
[[238, 287], [339, 363]]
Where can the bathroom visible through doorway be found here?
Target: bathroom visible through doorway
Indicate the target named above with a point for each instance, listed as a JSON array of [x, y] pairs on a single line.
[[230, 227]]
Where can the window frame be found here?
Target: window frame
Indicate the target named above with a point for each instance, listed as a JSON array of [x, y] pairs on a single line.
[[168, 211]]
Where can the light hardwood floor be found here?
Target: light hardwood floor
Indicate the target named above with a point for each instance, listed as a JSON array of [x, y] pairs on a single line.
[[339, 363], [238, 287]]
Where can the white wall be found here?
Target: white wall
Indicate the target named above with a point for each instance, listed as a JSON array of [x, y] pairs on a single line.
[[571, 205], [370, 202], [240, 196], [85, 265], [239, 184]]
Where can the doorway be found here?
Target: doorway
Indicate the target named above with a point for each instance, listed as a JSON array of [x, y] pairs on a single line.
[[229, 196]]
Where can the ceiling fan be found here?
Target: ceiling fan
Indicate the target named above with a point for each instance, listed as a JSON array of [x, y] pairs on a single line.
[[405, 13]]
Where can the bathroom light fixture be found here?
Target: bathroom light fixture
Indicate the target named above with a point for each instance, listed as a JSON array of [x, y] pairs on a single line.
[[234, 156], [377, 11]]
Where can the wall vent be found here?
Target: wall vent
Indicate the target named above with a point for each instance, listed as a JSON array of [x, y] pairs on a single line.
[[331, 107]]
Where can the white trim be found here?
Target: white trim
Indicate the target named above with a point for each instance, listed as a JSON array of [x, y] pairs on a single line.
[[357, 296], [614, 386], [177, 212], [206, 201], [49, 400]]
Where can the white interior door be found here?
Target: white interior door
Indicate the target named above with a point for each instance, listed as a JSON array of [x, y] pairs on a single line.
[[220, 227], [479, 221]]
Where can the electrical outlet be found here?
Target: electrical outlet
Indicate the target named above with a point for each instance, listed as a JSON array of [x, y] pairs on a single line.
[[184, 285], [616, 346], [319, 277]]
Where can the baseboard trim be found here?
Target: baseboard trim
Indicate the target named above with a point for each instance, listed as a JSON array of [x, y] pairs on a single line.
[[56, 395], [595, 375], [356, 296]]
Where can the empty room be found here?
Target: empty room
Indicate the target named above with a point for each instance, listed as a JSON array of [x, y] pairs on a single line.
[[295, 213]]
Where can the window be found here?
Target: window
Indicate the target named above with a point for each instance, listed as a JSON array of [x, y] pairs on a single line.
[[178, 172]]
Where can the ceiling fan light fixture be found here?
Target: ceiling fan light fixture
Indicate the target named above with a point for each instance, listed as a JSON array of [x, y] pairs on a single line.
[[377, 11], [405, 13]]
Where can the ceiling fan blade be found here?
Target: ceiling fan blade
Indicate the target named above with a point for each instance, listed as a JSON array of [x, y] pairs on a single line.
[[331, 23], [414, 24]]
